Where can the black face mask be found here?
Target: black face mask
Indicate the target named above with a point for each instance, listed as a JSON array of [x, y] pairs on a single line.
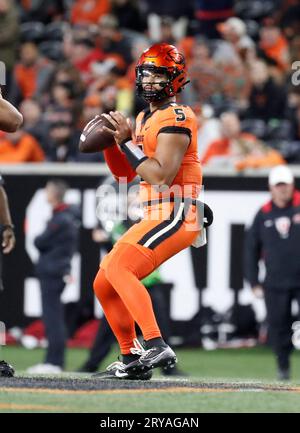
[[153, 94]]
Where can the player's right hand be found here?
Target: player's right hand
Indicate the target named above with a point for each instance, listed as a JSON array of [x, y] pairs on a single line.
[[122, 126]]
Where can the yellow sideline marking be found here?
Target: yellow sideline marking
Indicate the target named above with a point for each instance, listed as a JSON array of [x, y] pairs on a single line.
[[14, 406], [141, 391]]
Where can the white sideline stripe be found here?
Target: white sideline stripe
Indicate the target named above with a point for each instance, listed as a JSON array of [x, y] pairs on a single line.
[[166, 229], [98, 169]]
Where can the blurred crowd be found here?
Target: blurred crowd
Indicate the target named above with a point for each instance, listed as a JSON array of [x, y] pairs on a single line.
[[68, 60]]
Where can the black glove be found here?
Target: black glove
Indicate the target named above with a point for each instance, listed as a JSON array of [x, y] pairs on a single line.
[[6, 369]]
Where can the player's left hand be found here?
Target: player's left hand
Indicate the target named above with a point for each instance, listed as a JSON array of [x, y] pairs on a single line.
[[123, 129], [8, 240]]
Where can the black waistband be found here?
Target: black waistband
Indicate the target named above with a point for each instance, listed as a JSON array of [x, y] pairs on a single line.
[[187, 200]]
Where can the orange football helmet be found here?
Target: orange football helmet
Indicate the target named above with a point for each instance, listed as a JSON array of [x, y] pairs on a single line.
[[162, 59]]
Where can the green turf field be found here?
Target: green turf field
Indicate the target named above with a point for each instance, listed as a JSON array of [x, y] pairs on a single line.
[[234, 380]]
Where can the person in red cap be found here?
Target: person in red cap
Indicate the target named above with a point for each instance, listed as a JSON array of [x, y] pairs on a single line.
[[274, 237]]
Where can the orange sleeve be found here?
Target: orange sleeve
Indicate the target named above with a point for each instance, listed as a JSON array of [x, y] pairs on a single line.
[[27, 150], [271, 159], [5, 146], [26, 79], [217, 147], [118, 163]]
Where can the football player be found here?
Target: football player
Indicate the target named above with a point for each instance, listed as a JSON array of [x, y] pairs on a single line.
[[163, 152], [10, 120]]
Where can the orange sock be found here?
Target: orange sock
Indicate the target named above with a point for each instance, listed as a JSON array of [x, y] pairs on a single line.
[[118, 317], [124, 270]]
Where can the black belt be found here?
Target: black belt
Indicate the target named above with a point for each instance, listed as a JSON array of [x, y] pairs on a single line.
[[207, 212], [171, 200]]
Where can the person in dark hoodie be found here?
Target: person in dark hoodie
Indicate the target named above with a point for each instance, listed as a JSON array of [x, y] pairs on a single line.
[[267, 98], [56, 245]]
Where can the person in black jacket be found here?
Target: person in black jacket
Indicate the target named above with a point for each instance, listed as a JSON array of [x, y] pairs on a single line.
[[56, 245], [267, 99], [275, 237]]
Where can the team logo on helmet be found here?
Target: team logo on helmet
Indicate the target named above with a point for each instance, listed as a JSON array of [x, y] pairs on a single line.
[[177, 57]]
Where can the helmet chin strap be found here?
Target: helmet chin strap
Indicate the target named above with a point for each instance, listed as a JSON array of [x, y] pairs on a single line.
[[155, 96]]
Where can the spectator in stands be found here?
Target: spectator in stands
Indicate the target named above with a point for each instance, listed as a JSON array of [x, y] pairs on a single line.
[[66, 90], [167, 31], [113, 43], [230, 57], [63, 142], [166, 28], [20, 147], [63, 96], [63, 138], [238, 149], [274, 237], [113, 87], [84, 55], [31, 74], [103, 76], [275, 46], [236, 43], [203, 72], [267, 100], [290, 20], [9, 37], [234, 84], [62, 102], [56, 245], [33, 122], [219, 82], [88, 11], [295, 48], [67, 74]]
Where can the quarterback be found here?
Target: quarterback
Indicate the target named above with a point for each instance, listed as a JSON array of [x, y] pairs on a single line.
[[163, 152]]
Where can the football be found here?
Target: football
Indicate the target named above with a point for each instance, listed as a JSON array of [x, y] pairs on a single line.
[[92, 139]]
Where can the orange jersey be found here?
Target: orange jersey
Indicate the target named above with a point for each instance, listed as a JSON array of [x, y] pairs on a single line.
[[170, 118]]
